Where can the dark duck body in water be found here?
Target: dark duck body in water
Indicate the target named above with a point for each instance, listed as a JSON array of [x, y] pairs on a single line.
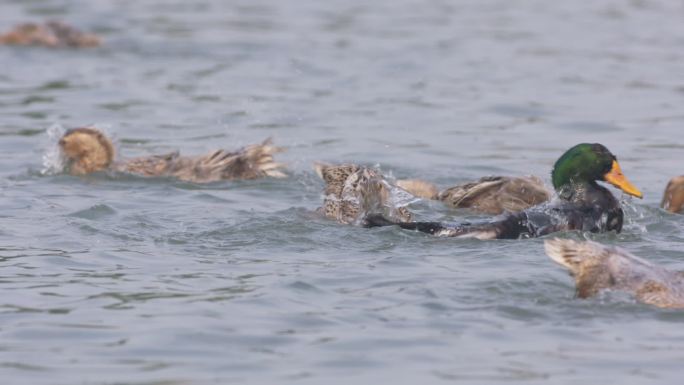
[[582, 204]]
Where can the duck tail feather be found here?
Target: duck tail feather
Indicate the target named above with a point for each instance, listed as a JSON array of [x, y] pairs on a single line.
[[249, 162], [259, 157]]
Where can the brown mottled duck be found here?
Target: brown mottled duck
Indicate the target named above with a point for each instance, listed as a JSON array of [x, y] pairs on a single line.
[[353, 191], [88, 150], [596, 267]]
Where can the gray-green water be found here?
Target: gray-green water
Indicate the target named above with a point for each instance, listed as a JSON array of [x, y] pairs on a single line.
[[137, 281]]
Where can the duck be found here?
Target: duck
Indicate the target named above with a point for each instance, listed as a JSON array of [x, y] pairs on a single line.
[[87, 150], [488, 195], [673, 198], [581, 203], [597, 267], [53, 34], [352, 191]]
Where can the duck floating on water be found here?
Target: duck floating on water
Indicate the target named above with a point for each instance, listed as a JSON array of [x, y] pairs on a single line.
[[87, 150], [353, 191], [53, 34], [582, 203], [673, 198], [596, 267], [489, 195]]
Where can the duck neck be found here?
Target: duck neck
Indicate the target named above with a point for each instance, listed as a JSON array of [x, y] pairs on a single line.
[[578, 191]]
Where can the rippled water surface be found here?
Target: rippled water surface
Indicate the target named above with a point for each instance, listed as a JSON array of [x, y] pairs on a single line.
[[125, 280]]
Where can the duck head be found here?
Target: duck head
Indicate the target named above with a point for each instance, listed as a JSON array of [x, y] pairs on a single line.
[[587, 163], [86, 150]]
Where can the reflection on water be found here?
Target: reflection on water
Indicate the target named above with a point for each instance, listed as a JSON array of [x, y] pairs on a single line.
[[121, 279]]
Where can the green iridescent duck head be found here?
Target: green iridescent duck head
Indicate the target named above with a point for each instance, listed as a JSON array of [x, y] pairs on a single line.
[[586, 163]]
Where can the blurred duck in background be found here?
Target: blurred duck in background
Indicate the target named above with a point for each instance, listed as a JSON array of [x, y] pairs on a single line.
[[53, 34]]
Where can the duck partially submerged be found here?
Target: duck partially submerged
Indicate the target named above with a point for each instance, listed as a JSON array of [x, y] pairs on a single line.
[[353, 191], [596, 267], [582, 203], [673, 198], [490, 195], [53, 34], [88, 150]]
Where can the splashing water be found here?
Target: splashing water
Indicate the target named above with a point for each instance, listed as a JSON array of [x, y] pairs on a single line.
[[634, 214], [398, 197], [53, 161]]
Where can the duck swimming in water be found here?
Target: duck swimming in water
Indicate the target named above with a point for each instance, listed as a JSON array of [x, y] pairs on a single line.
[[597, 267], [489, 195], [53, 34], [582, 203], [88, 150], [673, 198], [352, 191]]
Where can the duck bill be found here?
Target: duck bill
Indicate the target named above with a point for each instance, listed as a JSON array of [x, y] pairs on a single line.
[[617, 179]]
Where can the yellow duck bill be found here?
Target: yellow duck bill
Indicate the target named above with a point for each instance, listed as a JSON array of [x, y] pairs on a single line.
[[617, 179]]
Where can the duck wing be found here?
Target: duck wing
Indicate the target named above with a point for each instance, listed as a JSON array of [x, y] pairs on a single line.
[[497, 194], [155, 165], [250, 162]]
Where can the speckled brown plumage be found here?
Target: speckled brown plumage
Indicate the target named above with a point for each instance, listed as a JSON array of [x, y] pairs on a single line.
[[673, 197], [352, 191], [87, 150], [596, 267], [52, 34], [490, 195]]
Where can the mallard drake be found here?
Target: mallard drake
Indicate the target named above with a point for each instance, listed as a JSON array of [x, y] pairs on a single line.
[[582, 203], [673, 198], [353, 191], [489, 195], [52, 34], [88, 150], [596, 267]]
